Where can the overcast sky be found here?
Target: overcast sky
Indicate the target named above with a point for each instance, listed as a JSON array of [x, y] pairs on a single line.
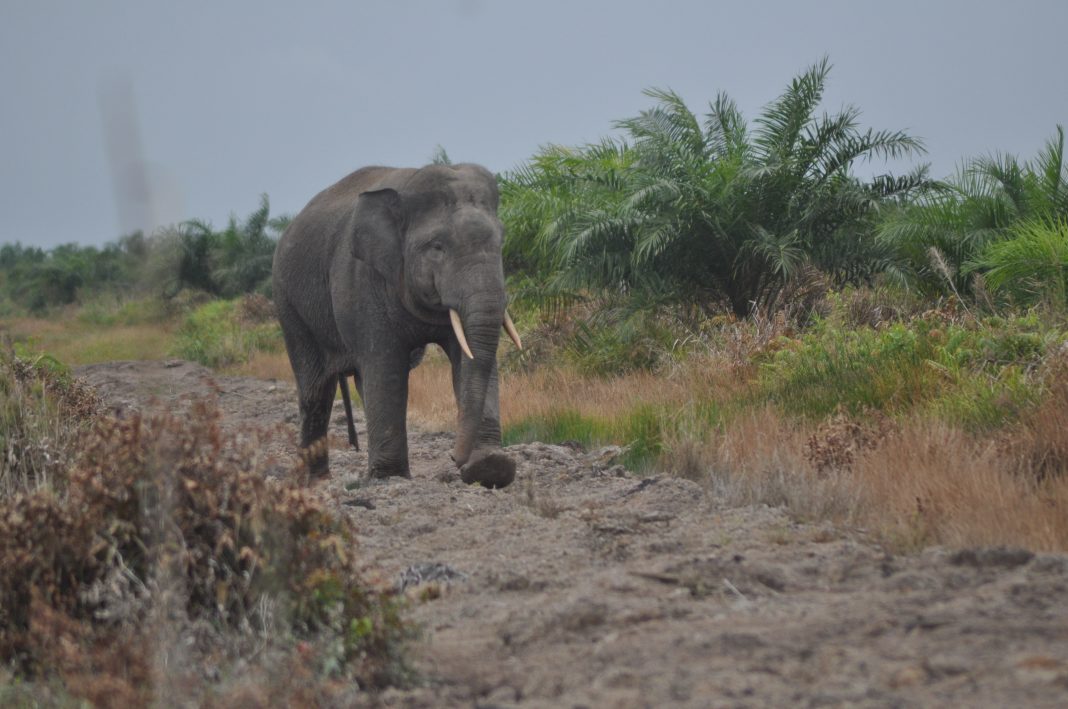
[[113, 114]]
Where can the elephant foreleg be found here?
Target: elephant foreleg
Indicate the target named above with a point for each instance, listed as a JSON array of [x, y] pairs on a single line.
[[488, 465], [384, 389]]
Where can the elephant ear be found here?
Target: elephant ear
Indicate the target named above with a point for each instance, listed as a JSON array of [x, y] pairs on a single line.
[[376, 232]]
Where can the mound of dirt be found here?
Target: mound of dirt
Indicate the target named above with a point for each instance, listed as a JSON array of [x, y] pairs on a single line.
[[585, 585]]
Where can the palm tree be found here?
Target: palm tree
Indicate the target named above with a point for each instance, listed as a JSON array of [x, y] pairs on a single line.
[[1031, 265], [244, 252], [939, 240], [709, 210], [195, 242]]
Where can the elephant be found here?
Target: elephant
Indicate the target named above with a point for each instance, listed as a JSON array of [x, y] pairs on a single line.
[[373, 270]]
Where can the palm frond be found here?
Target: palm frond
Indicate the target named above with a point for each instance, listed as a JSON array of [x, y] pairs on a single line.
[[1052, 172], [780, 124], [726, 133]]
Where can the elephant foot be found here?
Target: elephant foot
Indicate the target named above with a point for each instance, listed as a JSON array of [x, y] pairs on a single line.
[[493, 469], [380, 471]]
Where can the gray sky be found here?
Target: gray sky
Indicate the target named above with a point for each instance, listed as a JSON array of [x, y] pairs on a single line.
[[210, 104]]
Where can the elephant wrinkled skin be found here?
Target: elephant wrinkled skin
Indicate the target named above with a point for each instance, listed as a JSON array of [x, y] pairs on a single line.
[[374, 269]]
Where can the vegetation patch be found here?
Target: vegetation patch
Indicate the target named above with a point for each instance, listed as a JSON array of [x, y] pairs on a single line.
[[43, 414], [973, 372], [163, 538], [224, 333]]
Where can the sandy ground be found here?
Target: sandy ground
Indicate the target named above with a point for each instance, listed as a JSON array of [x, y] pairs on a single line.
[[583, 585]]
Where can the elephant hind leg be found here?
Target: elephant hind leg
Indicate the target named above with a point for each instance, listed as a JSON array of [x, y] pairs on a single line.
[[315, 391], [316, 401]]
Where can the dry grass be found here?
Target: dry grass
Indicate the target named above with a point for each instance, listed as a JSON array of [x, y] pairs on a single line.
[[921, 483], [760, 458], [74, 342], [935, 484], [925, 483], [931, 482], [527, 394], [265, 365], [431, 402]]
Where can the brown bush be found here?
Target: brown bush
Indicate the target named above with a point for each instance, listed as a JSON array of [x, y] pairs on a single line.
[[254, 309], [174, 508], [838, 441]]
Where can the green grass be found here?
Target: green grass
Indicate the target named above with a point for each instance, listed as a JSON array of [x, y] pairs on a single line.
[[109, 312], [641, 430], [76, 342]]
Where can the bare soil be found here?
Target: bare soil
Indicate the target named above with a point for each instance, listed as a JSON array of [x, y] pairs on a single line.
[[585, 585]]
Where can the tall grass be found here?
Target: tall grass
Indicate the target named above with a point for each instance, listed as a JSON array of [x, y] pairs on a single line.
[[934, 483], [43, 414]]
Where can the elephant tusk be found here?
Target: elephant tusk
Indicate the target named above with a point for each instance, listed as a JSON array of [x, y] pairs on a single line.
[[458, 328], [509, 327]]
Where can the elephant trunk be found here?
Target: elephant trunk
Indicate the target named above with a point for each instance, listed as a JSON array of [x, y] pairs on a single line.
[[481, 319]]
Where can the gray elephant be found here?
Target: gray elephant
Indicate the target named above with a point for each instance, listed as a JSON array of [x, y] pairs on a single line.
[[374, 269]]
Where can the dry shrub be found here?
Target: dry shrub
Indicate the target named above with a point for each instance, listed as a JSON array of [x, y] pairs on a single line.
[[803, 296], [105, 668], [874, 307], [254, 309], [173, 508], [74, 398], [838, 441], [933, 483], [726, 341]]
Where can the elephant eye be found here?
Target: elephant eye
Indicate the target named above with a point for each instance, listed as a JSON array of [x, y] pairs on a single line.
[[437, 246]]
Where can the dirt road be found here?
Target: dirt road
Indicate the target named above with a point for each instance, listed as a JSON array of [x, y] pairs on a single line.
[[585, 585]]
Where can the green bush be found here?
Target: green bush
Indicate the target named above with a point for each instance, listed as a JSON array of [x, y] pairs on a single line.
[[709, 209], [976, 374], [216, 336], [604, 350]]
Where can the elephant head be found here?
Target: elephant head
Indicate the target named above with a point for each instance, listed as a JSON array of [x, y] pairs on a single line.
[[436, 239]]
